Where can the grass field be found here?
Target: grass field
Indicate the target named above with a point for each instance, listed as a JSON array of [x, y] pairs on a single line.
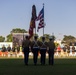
[[15, 66]]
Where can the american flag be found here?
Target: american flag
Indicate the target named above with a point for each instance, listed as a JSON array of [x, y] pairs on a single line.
[[40, 18]]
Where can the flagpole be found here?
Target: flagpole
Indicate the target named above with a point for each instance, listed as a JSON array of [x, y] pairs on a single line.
[[34, 15], [35, 29], [43, 22]]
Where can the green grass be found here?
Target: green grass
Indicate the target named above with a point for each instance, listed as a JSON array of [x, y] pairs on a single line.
[[14, 66]]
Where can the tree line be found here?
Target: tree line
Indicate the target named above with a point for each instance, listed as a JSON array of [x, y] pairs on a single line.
[[67, 39]]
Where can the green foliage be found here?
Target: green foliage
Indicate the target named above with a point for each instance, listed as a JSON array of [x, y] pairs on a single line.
[[18, 30], [68, 39], [9, 38], [35, 34], [56, 44], [46, 36], [2, 39]]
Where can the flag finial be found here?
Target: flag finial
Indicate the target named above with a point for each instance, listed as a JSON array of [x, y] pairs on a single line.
[[43, 4]]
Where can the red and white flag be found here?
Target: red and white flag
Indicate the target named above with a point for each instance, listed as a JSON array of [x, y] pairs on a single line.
[[32, 22]]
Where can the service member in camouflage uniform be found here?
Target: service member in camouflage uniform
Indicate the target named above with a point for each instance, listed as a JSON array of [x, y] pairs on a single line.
[[25, 45], [43, 49], [35, 49], [51, 46]]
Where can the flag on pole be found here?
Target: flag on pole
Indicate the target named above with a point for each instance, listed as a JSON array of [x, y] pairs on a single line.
[[41, 19], [32, 22]]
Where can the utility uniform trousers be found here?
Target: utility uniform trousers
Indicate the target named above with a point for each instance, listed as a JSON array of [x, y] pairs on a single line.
[[51, 56], [43, 56], [35, 55], [26, 55]]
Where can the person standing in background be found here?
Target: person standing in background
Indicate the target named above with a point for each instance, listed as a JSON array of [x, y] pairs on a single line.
[[73, 49], [17, 50], [9, 50], [4, 50], [13, 51]]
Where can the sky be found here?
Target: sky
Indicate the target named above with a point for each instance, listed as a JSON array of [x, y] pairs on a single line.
[[59, 16]]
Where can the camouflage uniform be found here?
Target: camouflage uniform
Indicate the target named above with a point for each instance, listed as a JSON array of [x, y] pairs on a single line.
[[51, 46], [25, 45], [43, 49], [35, 49]]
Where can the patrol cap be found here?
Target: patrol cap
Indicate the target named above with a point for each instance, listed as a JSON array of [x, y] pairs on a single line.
[[27, 36], [35, 36], [43, 37]]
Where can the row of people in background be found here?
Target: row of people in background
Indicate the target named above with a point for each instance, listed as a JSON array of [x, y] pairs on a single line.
[[59, 49], [37, 46], [10, 51], [65, 50], [13, 49]]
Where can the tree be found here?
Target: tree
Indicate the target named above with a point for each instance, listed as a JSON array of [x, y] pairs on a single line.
[[9, 38], [68, 39], [2, 39], [46, 36], [16, 30]]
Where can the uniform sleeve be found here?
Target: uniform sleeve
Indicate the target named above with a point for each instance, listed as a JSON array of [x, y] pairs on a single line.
[[54, 46]]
